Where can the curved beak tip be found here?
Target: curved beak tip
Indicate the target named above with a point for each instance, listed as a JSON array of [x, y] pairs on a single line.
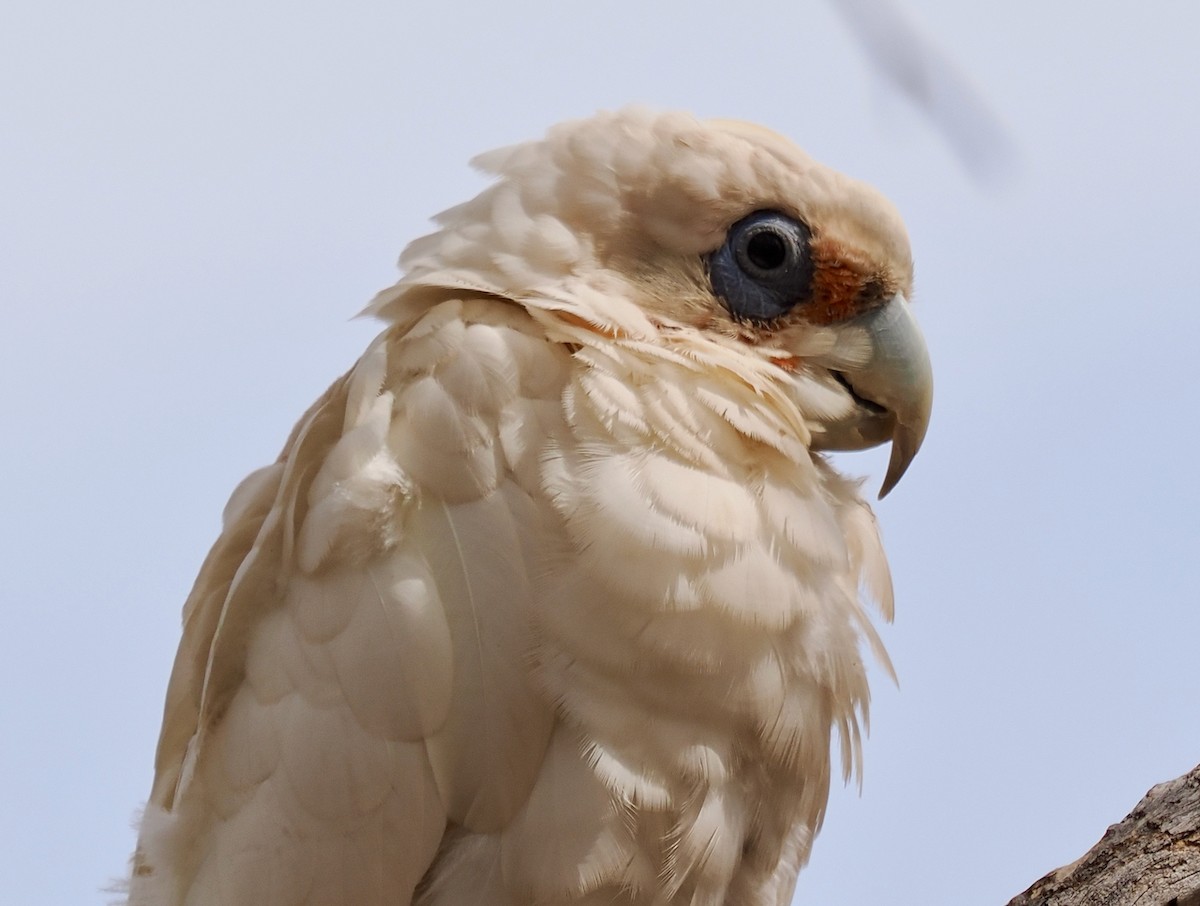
[[894, 387], [901, 379], [905, 444]]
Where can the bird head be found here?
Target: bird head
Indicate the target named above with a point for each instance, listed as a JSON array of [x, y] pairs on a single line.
[[714, 239]]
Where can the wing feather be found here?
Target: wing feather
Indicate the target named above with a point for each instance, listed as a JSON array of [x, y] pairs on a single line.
[[353, 668], [486, 757]]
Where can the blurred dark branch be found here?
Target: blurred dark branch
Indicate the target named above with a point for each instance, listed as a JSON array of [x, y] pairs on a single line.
[[919, 70]]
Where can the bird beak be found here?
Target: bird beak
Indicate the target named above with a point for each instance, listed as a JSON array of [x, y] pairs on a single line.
[[893, 389]]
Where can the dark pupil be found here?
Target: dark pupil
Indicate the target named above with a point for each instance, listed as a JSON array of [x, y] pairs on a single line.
[[766, 250]]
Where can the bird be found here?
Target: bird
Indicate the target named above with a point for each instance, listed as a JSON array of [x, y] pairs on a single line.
[[555, 597]]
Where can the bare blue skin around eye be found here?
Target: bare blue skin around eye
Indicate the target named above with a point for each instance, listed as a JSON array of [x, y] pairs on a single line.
[[755, 294]]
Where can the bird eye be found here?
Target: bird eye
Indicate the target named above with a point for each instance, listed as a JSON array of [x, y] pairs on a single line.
[[763, 270]]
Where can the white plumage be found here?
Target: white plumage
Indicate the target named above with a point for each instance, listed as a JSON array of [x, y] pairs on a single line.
[[551, 599]]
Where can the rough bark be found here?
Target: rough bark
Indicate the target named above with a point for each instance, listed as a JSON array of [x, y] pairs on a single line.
[[1152, 858]]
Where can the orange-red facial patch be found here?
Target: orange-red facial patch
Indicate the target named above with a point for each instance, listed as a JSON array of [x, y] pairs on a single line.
[[845, 283]]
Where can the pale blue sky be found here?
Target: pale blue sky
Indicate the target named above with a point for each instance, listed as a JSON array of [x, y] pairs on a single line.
[[194, 197]]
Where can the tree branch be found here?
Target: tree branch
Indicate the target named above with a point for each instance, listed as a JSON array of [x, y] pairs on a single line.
[[1152, 858]]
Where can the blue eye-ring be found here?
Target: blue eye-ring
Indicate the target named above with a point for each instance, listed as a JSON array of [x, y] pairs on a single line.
[[764, 268]]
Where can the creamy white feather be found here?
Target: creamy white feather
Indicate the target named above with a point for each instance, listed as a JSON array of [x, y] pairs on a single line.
[[548, 600]]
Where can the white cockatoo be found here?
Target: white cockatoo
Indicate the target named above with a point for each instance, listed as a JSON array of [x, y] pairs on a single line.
[[553, 598]]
